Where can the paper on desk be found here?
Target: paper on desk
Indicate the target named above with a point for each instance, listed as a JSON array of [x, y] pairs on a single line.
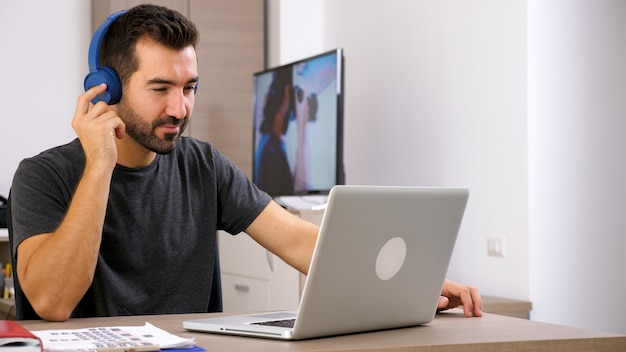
[[91, 339]]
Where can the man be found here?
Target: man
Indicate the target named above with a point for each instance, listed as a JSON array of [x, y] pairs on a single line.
[[122, 220]]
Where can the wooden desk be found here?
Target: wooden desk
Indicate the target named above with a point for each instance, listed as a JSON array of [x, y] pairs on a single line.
[[509, 307], [449, 331]]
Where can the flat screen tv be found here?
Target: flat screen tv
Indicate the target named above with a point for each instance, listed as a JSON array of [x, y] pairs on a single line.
[[298, 126]]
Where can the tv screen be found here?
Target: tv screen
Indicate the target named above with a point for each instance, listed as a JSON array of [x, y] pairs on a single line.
[[298, 126]]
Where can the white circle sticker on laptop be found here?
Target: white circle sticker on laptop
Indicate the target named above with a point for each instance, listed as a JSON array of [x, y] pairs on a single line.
[[390, 258]]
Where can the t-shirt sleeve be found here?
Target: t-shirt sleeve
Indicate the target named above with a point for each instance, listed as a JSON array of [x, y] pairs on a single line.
[[240, 201], [39, 200]]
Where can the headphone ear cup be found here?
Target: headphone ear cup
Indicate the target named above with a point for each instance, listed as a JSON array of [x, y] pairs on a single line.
[[107, 75]]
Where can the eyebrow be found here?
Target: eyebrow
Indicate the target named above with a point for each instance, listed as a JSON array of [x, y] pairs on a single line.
[[170, 82]]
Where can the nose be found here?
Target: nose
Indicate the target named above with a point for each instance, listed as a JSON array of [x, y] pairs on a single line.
[[177, 105]]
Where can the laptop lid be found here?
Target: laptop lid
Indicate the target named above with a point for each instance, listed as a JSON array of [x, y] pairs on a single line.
[[379, 263]]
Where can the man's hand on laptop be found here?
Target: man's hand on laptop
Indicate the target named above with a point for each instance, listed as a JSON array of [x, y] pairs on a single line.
[[454, 295]]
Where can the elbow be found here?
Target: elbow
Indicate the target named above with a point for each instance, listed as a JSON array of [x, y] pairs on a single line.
[[51, 313], [50, 310], [48, 301], [54, 316]]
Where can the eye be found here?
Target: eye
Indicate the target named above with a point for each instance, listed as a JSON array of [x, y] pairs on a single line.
[[191, 88], [160, 89]]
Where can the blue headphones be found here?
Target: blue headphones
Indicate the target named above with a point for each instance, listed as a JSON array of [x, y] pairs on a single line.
[[97, 74]]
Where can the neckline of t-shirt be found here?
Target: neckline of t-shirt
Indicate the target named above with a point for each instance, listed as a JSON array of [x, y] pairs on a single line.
[[147, 168]]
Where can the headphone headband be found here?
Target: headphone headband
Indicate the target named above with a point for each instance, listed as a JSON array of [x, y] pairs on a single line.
[[98, 38], [97, 74]]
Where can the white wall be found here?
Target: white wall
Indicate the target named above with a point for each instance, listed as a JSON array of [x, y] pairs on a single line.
[[521, 101], [43, 62], [436, 97], [577, 169]]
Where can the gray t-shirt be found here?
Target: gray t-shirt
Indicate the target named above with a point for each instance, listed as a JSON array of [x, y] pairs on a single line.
[[158, 246]]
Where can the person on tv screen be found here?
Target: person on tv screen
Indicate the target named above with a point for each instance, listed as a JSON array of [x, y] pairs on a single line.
[[293, 100], [122, 220], [273, 171]]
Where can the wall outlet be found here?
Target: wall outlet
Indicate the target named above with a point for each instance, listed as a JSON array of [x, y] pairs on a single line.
[[496, 246]]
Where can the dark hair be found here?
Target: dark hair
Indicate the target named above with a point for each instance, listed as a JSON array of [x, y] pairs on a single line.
[[160, 24], [281, 79]]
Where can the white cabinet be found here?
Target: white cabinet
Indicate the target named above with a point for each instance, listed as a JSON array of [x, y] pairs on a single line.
[[254, 279], [243, 294]]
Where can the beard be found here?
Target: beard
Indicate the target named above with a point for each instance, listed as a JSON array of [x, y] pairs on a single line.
[[143, 132]]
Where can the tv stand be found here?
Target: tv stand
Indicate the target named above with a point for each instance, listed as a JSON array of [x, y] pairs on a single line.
[[303, 202]]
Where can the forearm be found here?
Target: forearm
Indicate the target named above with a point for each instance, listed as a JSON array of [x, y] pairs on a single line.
[[301, 246], [56, 269], [286, 235]]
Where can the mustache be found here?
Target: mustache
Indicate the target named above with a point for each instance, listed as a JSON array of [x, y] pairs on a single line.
[[169, 120]]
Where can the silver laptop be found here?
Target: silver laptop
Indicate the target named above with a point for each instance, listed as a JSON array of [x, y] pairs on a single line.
[[379, 263]]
